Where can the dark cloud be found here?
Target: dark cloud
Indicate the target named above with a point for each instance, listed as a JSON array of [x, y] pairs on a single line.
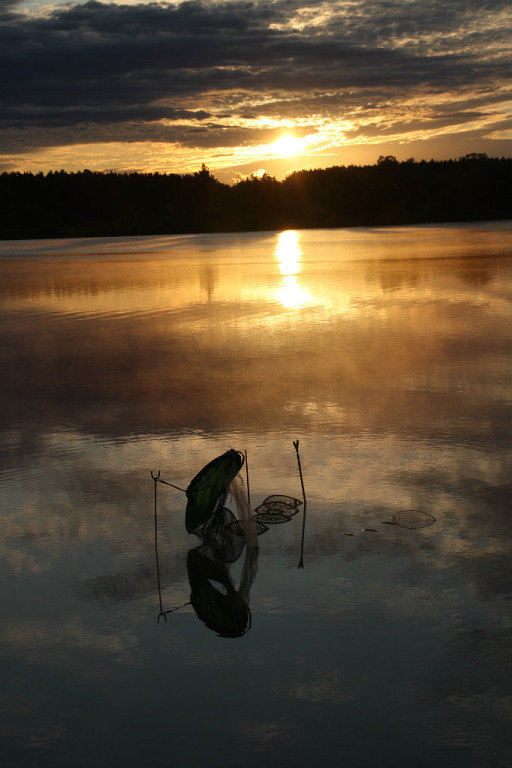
[[99, 64], [25, 116], [6, 6], [205, 137]]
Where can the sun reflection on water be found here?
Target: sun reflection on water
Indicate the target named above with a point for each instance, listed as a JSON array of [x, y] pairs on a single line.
[[291, 295], [288, 254]]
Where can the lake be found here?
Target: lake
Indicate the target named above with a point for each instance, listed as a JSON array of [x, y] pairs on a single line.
[[388, 354]]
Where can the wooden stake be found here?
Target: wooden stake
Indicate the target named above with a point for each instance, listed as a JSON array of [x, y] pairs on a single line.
[[301, 561]]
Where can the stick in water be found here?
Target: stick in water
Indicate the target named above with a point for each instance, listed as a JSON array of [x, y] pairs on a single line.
[[301, 561], [171, 484]]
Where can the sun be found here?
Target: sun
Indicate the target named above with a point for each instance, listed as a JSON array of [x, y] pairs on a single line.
[[286, 146]]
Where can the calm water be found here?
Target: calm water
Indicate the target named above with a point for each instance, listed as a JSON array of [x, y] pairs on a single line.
[[389, 354]]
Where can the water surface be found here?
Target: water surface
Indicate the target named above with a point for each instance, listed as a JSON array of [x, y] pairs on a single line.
[[388, 352]]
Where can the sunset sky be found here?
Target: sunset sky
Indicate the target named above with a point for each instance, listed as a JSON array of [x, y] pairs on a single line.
[[251, 86]]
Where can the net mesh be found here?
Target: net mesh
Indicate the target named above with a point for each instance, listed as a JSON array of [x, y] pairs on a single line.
[[413, 518], [226, 535], [259, 526], [223, 534], [277, 509]]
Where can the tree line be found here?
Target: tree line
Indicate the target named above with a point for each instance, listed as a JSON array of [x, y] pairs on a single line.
[[87, 204]]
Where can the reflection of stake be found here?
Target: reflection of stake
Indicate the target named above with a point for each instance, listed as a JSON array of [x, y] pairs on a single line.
[[156, 479], [247, 476], [301, 561], [162, 613]]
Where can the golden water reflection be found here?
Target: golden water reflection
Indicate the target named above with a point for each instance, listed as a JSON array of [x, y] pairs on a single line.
[[135, 344], [288, 253], [292, 295]]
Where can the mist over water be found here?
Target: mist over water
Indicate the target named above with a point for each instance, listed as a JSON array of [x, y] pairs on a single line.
[[388, 352]]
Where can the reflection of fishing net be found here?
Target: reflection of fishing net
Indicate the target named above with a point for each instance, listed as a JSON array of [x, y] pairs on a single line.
[[249, 571], [214, 597], [412, 518], [277, 509], [223, 534]]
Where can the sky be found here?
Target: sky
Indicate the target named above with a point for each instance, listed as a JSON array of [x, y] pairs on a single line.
[[247, 87]]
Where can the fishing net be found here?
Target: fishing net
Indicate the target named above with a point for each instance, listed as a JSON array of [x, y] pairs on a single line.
[[258, 526], [207, 491], [277, 509], [412, 518], [272, 518], [223, 533], [226, 535]]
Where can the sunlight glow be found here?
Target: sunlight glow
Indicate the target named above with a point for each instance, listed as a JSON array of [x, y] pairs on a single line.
[[287, 146]]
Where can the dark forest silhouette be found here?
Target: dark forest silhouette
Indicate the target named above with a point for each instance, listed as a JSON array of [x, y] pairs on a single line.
[[62, 204]]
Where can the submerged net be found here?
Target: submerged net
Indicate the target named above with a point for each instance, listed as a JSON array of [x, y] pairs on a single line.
[[412, 518], [258, 526], [223, 534], [217, 526], [277, 509]]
